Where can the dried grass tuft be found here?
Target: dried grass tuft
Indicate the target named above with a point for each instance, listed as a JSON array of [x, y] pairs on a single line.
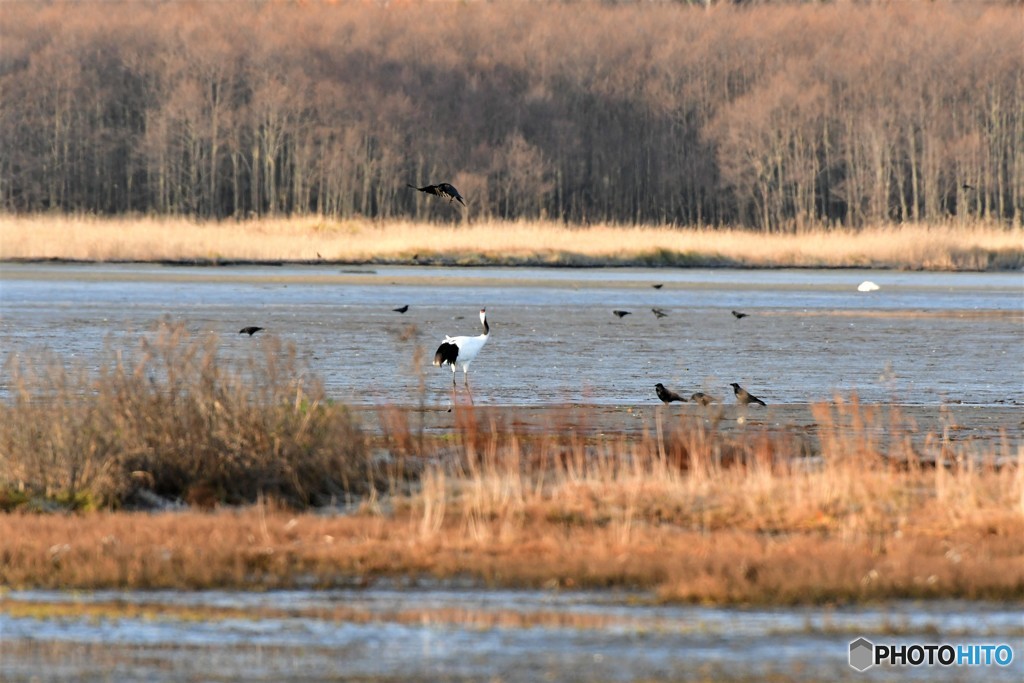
[[176, 420]]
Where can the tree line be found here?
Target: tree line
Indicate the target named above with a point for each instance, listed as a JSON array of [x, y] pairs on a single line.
[[772, 116]]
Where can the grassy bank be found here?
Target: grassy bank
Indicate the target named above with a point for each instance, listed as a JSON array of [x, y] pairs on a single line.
[[686, 509], [938, 247]]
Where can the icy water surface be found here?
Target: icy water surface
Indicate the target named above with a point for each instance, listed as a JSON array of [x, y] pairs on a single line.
[[922, 339], [417, 634]]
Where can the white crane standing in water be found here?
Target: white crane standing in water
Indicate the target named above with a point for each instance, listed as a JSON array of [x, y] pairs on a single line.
[[460, 351]]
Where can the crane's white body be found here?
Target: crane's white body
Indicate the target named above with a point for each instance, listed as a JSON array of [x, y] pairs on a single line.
[[469, 347], [465, 349]]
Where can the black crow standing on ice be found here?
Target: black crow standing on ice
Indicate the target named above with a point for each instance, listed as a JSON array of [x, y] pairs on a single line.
[[667, 395]]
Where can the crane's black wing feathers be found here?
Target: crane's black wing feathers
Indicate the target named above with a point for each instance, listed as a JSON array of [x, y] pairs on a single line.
[[446, 353]]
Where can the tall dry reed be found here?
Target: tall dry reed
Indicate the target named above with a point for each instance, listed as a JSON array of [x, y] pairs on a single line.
[[176, 419], [859, 473], [977, 246]]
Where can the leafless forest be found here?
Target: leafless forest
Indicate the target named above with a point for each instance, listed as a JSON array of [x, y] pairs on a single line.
[[774, 117]]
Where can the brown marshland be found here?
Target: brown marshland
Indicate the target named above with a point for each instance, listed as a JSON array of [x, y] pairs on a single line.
[[688, 509]]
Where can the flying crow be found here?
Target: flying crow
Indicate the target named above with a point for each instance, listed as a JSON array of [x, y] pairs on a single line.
[[442, 190]]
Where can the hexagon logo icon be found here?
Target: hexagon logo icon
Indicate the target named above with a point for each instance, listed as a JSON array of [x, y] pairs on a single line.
[[862, 654]]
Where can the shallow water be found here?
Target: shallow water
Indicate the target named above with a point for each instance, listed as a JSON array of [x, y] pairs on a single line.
[[452, 634], [923, 339]]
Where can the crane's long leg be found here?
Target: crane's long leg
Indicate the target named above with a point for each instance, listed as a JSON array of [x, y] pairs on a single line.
[[455, 396]]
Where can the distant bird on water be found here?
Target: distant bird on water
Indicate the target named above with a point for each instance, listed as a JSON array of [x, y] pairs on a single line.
[[658, 313], [702, 398], [739, 315], [868, 286], [667, 395], [744, 397], [460, 351], [658, 286], [251, 330], [442, 190], [401, 309], [621, 314]]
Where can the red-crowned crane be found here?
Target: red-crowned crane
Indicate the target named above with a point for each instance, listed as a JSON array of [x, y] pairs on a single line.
[[460, 351]]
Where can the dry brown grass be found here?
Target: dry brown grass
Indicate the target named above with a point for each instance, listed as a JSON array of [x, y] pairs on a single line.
[[175, 419], [944, 247], [683, 509], [592, 536]]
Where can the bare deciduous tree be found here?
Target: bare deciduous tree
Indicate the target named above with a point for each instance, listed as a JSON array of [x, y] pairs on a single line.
[[773, 115]]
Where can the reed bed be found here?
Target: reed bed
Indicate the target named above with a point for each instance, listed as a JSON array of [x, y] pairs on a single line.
[[172, 419], [268, 485], [974, 246]]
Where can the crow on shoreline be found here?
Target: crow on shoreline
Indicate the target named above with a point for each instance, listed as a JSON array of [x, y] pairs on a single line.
[[744, 397], [702, 398], [667, 395]]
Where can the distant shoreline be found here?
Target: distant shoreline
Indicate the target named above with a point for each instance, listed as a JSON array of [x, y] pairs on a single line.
[[975, 247], [243, 263]]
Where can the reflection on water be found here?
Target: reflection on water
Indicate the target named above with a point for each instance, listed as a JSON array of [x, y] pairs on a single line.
[[924, 338], [455, 634]]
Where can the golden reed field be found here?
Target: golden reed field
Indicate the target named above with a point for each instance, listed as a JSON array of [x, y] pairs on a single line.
[[953, 246]]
